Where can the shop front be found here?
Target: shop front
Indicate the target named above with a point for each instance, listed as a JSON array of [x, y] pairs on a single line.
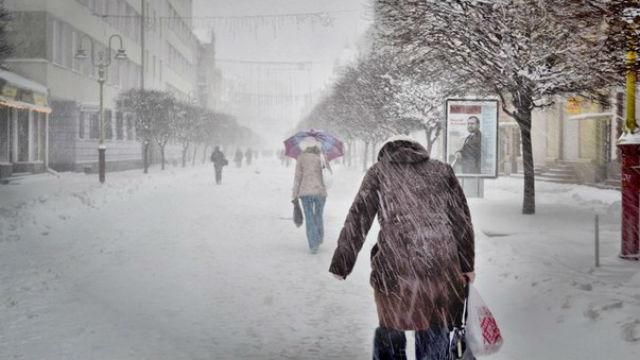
[[24, 120]]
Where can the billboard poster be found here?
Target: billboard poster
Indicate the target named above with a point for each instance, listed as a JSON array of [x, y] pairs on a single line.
[[471, 141]]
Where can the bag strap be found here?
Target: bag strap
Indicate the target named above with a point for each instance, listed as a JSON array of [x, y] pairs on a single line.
[[465, 309]]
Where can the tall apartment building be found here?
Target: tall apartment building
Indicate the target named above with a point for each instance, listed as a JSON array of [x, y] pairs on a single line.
[[47, 34]]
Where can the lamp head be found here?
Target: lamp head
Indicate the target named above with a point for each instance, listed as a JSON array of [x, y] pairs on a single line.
[[81, 54], [121, 55]]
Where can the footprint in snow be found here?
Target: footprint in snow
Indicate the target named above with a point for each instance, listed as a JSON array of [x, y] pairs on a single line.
[[592, 314], [630, 331]]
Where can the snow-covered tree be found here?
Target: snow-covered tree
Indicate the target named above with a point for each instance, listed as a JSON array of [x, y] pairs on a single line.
[[421, 104], [515, 49], [142, 103], [618, 22], [188, 117], [156, 115], [5, 47]]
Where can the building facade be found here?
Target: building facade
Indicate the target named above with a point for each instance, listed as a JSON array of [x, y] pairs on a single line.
[[47, 35], [24, 117], [574, 141]]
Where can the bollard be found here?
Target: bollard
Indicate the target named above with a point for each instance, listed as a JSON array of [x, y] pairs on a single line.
[[597, 243]]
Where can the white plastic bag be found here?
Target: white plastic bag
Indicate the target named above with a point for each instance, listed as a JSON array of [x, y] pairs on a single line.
[[327, 173], [327, 178], [482, 332]]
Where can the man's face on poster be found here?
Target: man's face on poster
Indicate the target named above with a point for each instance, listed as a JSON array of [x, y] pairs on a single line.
[[473, 124]]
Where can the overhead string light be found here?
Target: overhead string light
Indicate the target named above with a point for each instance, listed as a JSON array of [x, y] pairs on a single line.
[[236, 24], [257, 24]]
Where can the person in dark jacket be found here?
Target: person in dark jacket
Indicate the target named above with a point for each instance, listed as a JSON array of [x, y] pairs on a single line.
[[471, 152], [219, 161], [425, 248]]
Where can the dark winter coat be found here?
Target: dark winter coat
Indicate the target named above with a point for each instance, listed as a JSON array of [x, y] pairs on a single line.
[[471, 154], [426, 238], [218, 159]]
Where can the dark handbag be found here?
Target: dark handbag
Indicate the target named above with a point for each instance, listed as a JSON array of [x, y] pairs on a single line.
[[458, 349], [297, 213]]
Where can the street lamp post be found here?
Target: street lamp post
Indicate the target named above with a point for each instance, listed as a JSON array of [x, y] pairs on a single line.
[[629, 145], [102, 62]]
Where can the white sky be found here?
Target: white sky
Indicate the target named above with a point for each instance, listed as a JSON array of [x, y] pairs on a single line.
[[257, 40]]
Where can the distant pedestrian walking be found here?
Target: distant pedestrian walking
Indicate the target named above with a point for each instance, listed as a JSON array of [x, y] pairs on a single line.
[[424, 252], [309, 187], [219, 161], [238, 158], [248, 156]]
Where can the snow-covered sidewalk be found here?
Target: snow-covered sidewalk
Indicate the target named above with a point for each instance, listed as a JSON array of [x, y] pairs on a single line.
[[171, 266]]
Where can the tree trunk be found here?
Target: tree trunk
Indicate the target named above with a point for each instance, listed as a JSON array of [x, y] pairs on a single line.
[[162, 155], [365, 155], [145, 156], [427, 133], [185, 149], [349, 153], [195, 153], [373, 152], [529, 200], [204, 154]]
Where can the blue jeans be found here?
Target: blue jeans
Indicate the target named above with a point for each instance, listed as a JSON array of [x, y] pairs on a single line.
[[431, 344], [313, 207]]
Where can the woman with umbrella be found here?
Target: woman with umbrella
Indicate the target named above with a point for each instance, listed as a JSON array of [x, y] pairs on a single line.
[[311, 148]]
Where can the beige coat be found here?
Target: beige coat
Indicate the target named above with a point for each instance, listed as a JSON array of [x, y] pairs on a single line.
[[308, 179]]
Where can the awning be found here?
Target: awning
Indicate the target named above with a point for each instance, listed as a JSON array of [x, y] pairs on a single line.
[[22, 93], [591, 116]]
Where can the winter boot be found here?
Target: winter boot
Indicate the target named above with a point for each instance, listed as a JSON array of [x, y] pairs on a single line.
[[389, 344]]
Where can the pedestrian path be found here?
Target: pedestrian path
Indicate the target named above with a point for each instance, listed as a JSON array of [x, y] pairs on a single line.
[[171, 266]]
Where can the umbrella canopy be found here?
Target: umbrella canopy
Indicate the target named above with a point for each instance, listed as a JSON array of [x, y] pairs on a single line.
[[330, 146]]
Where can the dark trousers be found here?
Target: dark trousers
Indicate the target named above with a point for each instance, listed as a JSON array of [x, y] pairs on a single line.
[[431, 344], [218, 175]]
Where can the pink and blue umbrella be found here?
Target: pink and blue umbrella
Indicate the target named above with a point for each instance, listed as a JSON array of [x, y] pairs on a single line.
[[330, 146]]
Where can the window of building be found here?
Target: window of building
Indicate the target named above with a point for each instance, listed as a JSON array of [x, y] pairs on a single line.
[[23, 135], [42, 135], [35, 136], [5, 118], [108, 125], [130, 127], [55, 33], [94, 126], [81, 124], [75, 63], [61, 44], [107, 11], [119, 126]]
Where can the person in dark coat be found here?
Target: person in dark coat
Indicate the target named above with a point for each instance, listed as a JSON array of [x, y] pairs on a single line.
[[219, 161], [238, 158], [471, 152], [424, 250]]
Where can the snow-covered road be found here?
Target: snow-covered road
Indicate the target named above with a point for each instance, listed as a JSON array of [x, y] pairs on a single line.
[[171, 266]]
